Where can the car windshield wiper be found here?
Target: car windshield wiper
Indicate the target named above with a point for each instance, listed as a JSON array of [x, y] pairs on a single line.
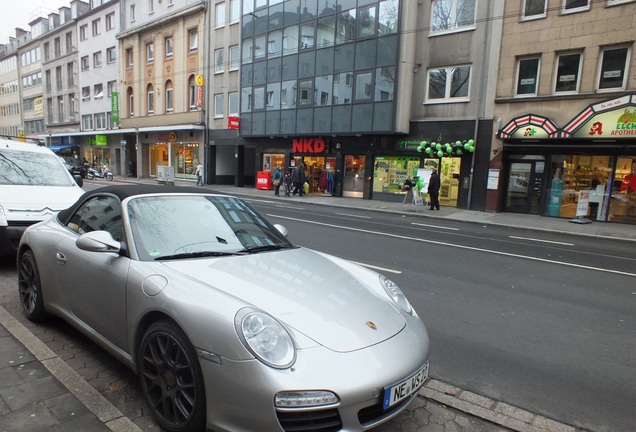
[[257, 249], [200, 254]]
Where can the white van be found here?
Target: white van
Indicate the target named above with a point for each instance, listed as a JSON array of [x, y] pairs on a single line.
[[34, 185]]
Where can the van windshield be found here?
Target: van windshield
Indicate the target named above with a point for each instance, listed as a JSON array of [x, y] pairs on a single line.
[[31, 168]]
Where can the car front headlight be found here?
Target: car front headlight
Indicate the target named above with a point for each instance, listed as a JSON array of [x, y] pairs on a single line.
[[396, 294], [266, 338]]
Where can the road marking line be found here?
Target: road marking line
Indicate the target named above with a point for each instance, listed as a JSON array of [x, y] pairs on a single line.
[[376, 267], [352, 215], [542, 241], [434, 226], [438, 243]]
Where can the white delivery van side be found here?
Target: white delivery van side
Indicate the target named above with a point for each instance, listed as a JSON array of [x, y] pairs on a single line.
[[34, 185]]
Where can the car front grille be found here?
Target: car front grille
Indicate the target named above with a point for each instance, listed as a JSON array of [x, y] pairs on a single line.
[[325, 420]]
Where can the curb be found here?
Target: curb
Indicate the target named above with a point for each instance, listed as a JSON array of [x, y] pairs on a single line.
[[97, 404], [493, 411]]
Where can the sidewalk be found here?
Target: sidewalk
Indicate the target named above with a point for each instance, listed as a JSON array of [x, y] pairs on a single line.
[[41, 392]]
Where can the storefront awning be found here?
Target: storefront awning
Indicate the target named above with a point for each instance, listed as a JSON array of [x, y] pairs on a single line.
[[57, 147]]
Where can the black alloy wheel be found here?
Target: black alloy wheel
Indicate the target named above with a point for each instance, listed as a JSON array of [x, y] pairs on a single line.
[[171, 378], [30, 287]]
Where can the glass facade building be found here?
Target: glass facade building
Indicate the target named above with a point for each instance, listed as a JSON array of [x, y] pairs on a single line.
[[310, 67]]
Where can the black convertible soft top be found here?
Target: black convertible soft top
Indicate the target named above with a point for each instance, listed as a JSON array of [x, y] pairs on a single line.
[[123, 191]]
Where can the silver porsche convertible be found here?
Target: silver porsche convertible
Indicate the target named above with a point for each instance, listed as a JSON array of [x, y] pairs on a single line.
[[229, 326]]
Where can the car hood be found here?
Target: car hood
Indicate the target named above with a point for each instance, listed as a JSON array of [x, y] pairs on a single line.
[[36, 203], [304, 290]]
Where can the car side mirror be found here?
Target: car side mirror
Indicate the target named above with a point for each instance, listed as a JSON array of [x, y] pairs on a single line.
[[98, 241], [79, 180], [281, 229]]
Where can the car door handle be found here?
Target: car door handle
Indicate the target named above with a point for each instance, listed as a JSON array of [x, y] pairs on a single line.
[[61, 258]]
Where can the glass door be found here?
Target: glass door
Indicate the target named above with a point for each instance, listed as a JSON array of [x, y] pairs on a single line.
[[523, 194]]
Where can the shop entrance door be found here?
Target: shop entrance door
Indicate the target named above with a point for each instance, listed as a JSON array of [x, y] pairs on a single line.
[[525, 181]]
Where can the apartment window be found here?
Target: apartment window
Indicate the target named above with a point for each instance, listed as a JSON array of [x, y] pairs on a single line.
[[84, 32], [452, 15], [448, 84], [218, 60], [131, 103], [150, 100], [169, 47], [534, 8], [575, 5], [193, 40], [568, 72], [84, 63], [169, 97], [233, 103], [527, 76], [58, 47], [234, 57], [111, 87], [363, 86], [132, 13], [235, 11], [69, 75], [111, 55], [98, 91], [150, 53], [86, 93], [87, 121], [100, 121], [220, 14], [69, 42], [192, 94], [71, 106], [110, 21], [218, 105], [47, 53], [129, 57], [97, 59], [58, 78], [97, 27], [60, 109], [613, 68]]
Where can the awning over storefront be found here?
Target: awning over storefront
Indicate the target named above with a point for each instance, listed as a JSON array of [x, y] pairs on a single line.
[[57, 147]]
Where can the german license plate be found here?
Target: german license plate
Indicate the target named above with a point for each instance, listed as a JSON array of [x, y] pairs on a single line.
[[402, 390]]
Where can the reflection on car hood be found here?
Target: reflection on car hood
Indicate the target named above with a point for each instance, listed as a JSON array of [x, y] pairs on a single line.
[[304, 290]]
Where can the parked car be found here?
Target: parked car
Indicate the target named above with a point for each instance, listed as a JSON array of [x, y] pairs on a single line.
[[74, 166], [228, 325], [34, 185]]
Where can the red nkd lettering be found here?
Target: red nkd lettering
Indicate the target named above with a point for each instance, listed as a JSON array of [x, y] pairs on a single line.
[[308, 145]]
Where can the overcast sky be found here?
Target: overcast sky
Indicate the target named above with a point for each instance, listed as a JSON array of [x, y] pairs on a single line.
[[18, 13]]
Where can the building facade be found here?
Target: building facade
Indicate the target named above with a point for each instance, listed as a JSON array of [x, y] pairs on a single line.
[[566, 109], [369, 94]]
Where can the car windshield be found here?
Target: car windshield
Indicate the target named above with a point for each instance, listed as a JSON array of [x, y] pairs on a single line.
[[188, 226], [31, 168]]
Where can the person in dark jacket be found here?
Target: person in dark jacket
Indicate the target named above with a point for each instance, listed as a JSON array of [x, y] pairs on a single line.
[[299, 180], [434, 184]]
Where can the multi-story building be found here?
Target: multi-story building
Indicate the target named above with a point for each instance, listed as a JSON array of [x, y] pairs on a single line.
[[162, 73], [10, 103], [567, 107], [59, 72], [359, 90], [98, 64]]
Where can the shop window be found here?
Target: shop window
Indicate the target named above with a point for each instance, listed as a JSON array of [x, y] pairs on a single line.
[[613, 65], [528, 76], [568, 73], [390, 173]]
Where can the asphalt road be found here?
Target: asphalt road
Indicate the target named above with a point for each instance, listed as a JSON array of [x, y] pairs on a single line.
[[541, 321]]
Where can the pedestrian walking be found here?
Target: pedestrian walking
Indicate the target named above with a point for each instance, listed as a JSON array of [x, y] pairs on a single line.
[[277, 179], [434, 184], [287, 180], [199, 173], [299, 180]]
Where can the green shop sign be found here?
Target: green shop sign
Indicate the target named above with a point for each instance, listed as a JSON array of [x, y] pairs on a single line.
[[99, 141]]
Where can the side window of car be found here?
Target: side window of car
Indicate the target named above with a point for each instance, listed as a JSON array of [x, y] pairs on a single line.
[[98, 213]]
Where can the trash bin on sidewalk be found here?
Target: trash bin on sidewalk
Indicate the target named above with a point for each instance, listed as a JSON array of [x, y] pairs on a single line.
[[264, 180]]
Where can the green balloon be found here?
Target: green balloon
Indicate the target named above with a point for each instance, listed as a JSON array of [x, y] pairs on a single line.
[[471, 149], [458, 143], [419, 149], [466, 146], [459, 152], [471, 142], [420, 183], [440, 153], [424, 143], [428, 150], [438, 147]]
